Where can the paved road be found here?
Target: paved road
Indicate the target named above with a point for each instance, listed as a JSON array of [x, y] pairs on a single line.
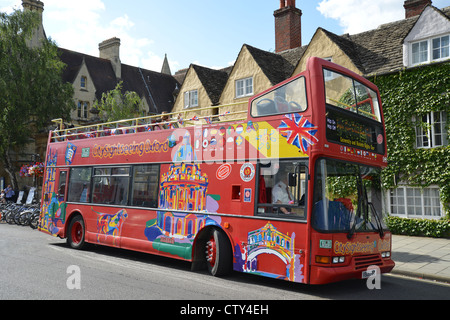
[[35, 266]]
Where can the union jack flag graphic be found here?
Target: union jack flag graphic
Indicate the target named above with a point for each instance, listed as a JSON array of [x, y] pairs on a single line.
[[298, 131]]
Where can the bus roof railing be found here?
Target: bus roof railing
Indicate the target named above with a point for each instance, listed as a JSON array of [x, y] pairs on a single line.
[[164, 121]]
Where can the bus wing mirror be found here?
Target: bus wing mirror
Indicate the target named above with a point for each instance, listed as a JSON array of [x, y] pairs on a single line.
[[292, 180]]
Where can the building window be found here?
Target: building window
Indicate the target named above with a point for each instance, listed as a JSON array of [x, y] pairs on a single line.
[[420, 52], [83, 82], [244, 87], [429, 50], [441, 48], [82, 109], [415, 202], [191, 99], [431, 132]]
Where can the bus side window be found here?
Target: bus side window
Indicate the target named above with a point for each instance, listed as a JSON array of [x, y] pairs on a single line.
[[80, 185], [145, 188], [282, 190]]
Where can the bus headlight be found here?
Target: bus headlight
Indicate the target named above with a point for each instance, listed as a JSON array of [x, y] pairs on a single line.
[[338, 260], [386, 254]]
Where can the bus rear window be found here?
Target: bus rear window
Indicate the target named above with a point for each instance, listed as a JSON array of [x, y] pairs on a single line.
[[348, 94]]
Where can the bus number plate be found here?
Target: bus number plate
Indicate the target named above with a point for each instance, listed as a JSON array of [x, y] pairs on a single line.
[[369, 273]]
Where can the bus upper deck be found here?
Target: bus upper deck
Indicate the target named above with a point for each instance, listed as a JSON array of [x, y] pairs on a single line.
[[348, 111]]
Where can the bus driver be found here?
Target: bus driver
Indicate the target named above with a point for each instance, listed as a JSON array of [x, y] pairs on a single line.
[[281, 193]]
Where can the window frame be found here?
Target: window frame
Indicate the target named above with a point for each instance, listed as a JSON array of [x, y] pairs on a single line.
[[298, 191], [401, 202], [156, 185], [428, 131], [190, 99], [74, 195], [72, 192], [83, 82], [246, 92], [269, 96], [112, 177], [429, 50], [83, 110]]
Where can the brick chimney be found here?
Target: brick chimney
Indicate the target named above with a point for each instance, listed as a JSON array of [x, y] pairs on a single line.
[[415, 7], [110, 49], [288, 26]]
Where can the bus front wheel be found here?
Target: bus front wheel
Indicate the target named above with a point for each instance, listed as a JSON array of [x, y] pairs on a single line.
[[76, 234], [218, 254]]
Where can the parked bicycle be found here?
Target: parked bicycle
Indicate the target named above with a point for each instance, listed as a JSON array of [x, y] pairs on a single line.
[[21, 214]]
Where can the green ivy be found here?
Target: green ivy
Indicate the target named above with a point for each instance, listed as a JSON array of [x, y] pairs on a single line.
[[408, 95]]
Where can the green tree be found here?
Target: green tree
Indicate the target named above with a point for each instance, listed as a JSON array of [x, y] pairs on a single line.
[[32, 91], [116, 105]]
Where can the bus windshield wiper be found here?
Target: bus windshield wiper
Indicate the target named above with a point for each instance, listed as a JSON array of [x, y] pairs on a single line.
[[353, 228], [378, 219], [362, 204]]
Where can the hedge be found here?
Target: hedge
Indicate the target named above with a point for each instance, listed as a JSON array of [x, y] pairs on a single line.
[[419, 227]]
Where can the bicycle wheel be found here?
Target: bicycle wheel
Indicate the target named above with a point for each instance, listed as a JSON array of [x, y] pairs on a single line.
[[10, 217], [24, 217], [34, 220]]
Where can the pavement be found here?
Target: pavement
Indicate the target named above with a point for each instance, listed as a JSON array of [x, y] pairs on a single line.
[[419, 257]]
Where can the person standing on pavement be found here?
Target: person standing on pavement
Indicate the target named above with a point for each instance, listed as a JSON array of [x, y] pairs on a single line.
[[9, 193]]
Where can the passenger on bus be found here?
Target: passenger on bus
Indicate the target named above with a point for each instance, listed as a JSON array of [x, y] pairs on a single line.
[[281, 193]]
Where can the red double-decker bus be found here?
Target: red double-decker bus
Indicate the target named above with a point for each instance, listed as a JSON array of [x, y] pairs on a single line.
[[292, 191]]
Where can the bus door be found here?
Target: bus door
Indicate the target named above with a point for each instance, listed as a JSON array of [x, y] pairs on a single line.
[[62, 185], [53, 213]]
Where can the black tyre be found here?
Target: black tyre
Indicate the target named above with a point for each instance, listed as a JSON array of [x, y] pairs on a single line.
[[10, 217], [24, 218], [218, 254], [76, 233], [34, 221]]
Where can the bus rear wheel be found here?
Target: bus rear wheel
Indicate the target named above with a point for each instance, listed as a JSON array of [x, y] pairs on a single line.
[[218, 254], [76, 233]]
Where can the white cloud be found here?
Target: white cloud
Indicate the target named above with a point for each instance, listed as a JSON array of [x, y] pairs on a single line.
[[80, 26], [9, 5], [361, 15], [123, 22], [154, 62]]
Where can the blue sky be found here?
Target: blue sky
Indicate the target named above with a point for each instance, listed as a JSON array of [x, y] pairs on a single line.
[[206, 32]]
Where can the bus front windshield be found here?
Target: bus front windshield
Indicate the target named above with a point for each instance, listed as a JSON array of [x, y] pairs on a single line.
[[347, 198]]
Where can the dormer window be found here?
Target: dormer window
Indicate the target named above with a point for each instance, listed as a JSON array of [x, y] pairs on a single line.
[[430, 50], [419, 52], [244, 87], [441, 48], [83, 82], [191, 99]]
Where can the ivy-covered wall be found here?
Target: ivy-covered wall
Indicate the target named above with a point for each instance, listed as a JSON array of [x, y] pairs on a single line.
[[409, 93]]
